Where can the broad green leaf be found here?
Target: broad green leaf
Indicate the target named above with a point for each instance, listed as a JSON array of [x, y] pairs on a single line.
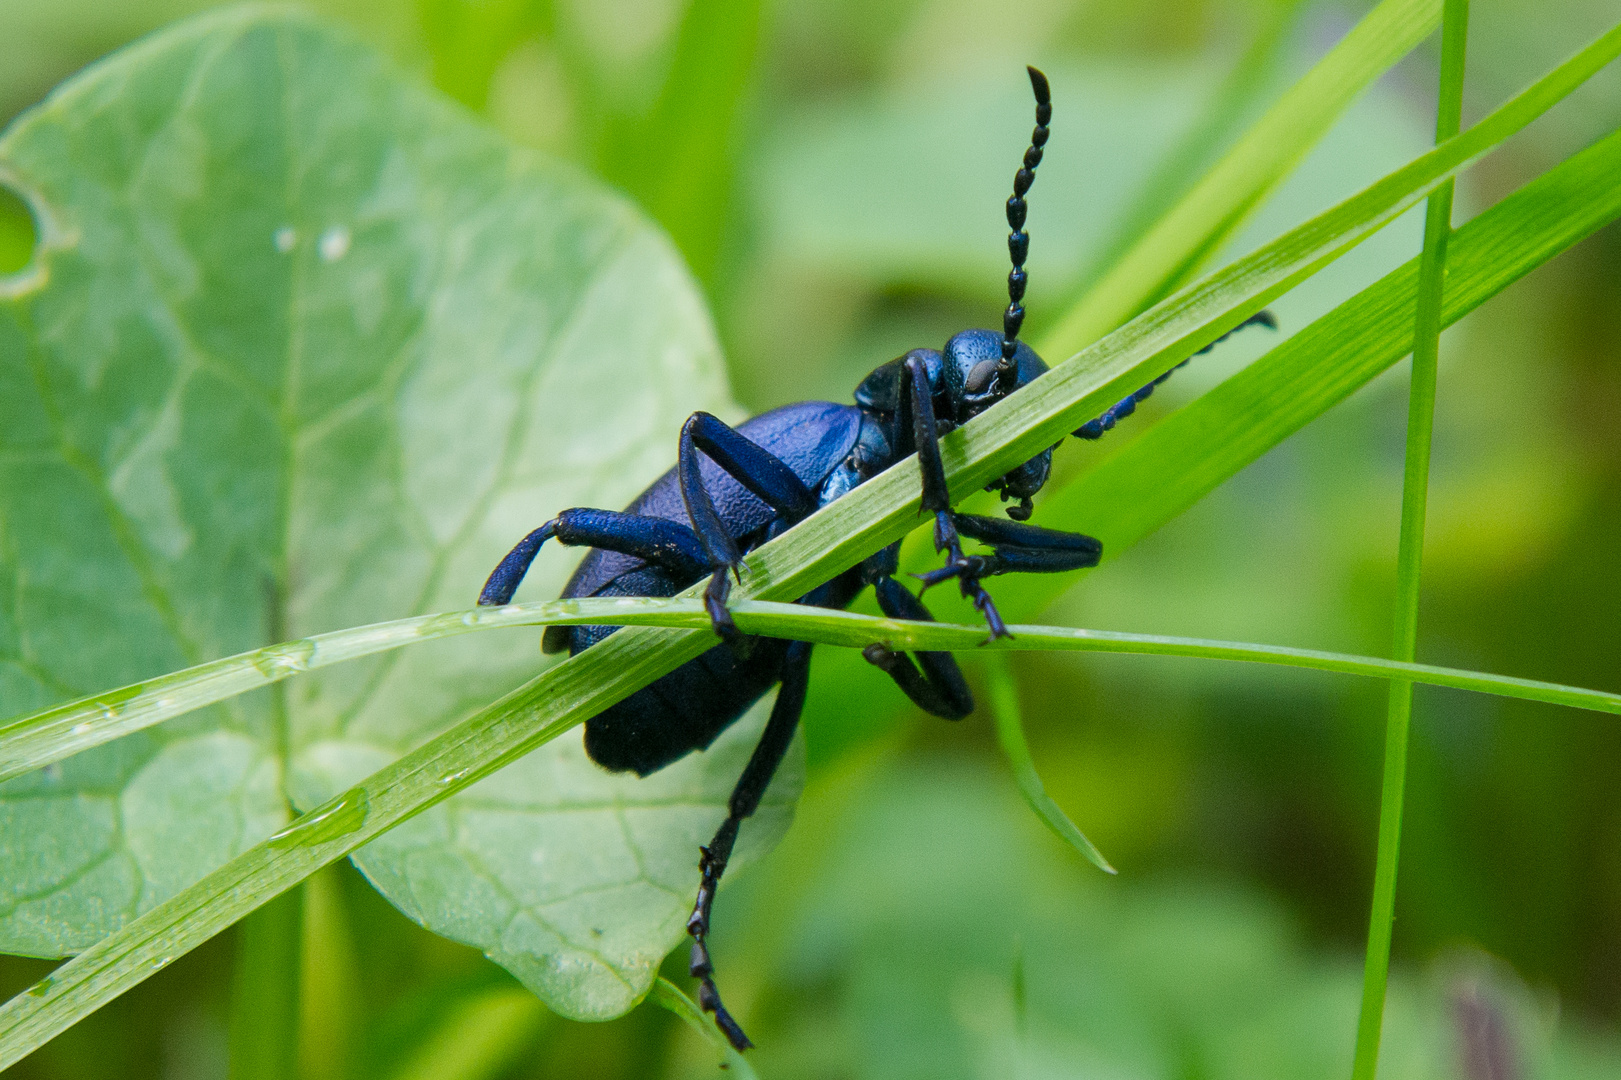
[[873, 515], [303, 346]]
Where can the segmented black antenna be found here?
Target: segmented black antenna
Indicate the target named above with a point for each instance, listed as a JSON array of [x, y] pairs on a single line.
[[1018, 241]]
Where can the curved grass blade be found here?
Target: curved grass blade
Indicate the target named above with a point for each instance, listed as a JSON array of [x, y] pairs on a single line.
[[1170, 252], [1410, 551], [669, 996], [1010, 733], [878, 512]]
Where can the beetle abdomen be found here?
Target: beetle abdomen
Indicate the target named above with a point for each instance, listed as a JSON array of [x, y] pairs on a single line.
[[685, 710]]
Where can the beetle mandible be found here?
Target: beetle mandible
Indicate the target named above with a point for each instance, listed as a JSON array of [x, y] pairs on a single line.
[[733, 489]]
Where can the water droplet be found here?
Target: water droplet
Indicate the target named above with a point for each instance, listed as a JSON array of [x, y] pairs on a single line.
[[455, 777], [84, 728], [41, 988], [440, 624], [330, 820], [285, 239], [334, 243], [278, 660], [112, 702]]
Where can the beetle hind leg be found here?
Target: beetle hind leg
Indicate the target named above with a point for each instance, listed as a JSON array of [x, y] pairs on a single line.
[[938, 688], [751, 787]]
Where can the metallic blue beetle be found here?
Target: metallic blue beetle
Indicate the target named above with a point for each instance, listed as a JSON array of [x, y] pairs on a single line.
[[734, 489]]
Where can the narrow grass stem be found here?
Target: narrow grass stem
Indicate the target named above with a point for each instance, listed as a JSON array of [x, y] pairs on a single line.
[[39, 739], [1010, 733], [1410, 550]]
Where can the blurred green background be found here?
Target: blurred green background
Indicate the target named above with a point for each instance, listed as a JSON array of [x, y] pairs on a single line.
[[834, 173]]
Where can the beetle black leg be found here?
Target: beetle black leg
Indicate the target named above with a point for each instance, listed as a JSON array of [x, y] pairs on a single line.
[[757, 469], [1018, 549], [939, 688], [918, 407], [667, 544], [751, 787]]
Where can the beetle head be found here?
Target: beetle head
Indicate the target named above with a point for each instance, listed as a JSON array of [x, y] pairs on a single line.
[[969, 368]]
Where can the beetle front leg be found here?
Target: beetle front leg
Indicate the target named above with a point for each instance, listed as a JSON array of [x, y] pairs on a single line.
[[1016, 549], [918, 407], [765, 475]]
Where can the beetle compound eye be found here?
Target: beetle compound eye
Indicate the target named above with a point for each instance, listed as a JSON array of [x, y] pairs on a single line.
[[980, 376]]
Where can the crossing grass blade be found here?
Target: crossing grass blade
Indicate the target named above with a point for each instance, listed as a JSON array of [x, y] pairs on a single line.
[[1171, 252], [873, 515], [43, 738]]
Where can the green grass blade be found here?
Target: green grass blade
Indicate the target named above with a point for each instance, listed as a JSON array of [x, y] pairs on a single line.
[[1188, 454], [1010, 733], [669, 996], [28, 742], [1173, 249], [1410, 551], [878, 512]]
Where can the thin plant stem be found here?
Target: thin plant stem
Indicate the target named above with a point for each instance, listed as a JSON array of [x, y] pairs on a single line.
[[265, 991], [33, 741], [669, 996], [1010, 733], [1410, 551]]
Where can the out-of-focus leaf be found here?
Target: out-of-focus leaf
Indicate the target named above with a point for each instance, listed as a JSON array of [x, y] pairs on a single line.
[[892, 954], [303, 347], [479, 1037]]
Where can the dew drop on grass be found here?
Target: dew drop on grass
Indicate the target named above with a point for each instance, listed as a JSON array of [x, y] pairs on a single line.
[[330, 820], [41, 988], [285, 239], [111, 703], [279, 660]]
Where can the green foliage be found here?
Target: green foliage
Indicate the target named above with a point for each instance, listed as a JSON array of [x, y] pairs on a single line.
[[302, 346]]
